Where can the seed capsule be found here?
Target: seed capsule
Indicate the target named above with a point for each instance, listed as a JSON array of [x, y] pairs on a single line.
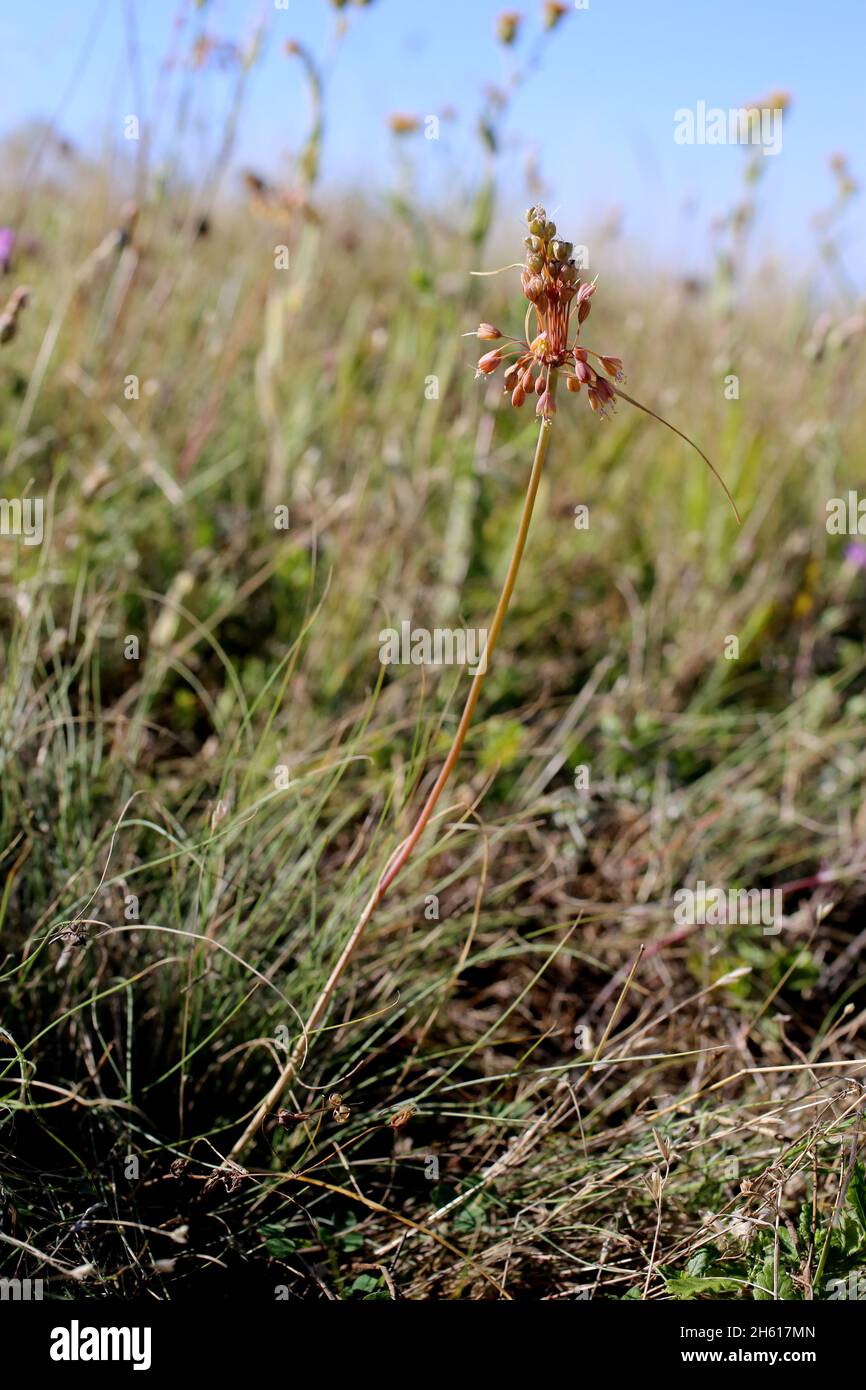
[[510, 378]]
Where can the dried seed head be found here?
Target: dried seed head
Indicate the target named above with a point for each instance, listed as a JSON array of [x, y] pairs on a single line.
[[508, 26], [402, 1118], [290, 1117], [663, 1146], [402, 123], [554, 11], [655, 1183]]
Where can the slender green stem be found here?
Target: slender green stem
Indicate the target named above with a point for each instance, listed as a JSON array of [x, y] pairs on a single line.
[[404, 850]]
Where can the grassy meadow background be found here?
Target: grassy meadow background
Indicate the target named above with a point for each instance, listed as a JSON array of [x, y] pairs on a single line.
[[522, 1113]]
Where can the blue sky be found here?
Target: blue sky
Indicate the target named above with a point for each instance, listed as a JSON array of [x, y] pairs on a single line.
[[599, 112]]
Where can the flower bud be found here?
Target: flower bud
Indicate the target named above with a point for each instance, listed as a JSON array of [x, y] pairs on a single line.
[[518, 395], [604, 390], [613, 367], [584, 295], [489, 362], [487, 332]]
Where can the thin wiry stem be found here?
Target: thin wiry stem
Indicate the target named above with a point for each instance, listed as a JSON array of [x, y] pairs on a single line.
[[401, 855], [662, 421]]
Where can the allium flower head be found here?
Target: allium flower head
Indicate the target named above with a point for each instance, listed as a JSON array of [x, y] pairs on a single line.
[[561, 303], [552, 285]]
